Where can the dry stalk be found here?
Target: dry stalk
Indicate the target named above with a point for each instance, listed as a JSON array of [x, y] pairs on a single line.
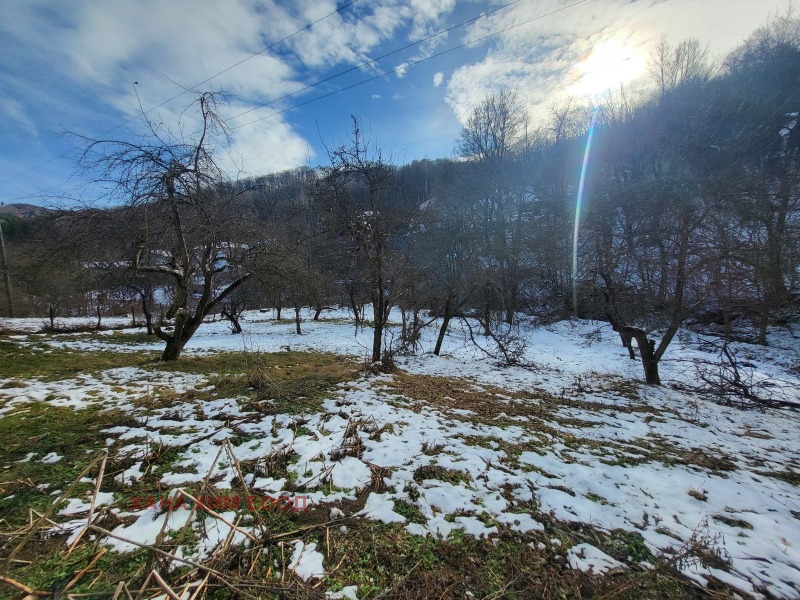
[[192, 563], [163, 585], [49, 511], [94, 503]]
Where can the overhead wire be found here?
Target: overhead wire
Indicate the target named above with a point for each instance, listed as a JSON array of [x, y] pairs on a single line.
[[348, 87], [185, 90], [410, 64], [376, 59]]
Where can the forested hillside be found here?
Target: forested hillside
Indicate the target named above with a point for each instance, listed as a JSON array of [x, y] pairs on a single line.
[[673, 204]]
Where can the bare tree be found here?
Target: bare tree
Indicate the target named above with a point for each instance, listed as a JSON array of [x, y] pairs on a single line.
[[495, 141], [673, 66], [181, 195], [365, 207]]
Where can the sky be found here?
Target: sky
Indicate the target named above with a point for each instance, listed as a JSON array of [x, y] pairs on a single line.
[[91, 68]]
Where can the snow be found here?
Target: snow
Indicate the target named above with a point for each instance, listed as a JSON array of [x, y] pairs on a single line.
[[587, 558], [346, 593], [306, 561], [574, 435], [380, 507]]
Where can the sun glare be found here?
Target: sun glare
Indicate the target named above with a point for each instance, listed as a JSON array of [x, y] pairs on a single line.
[[608, 65]]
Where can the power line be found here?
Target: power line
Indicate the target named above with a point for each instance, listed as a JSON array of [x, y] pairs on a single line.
[[411, 64], [185, 90], [374, 60]]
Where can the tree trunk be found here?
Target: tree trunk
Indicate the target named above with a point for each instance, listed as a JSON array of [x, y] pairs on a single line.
[[647, 350], [354, 308], [297, 319], [377, 336], [99, 316], [6, 274], [317, 312], [173, 349], [448, 314], [762, 325], [627, 342], [233, 317], [148, 313], [51, 313]]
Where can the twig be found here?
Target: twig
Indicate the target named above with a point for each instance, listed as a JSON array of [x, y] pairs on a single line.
[[48, 512], [81, 573], [402, 579], [203, 584], [188, 523], [195, 564], [216, 515], [163, 585], [22, 586], [122, 587], [94, 502]]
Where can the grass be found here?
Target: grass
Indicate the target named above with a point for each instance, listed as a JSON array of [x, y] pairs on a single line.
[[37, 427], [787, 475], [280, 382], [441, 474], [380, 559], [733, 522], [53, 570], [53, 364], [386, 559]]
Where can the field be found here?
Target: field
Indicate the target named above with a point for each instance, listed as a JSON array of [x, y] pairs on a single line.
[[269, 464]]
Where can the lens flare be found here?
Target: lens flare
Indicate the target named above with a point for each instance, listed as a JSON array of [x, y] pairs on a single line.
[[578, 204]]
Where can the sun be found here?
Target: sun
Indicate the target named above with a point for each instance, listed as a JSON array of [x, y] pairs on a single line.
[[606, 67]]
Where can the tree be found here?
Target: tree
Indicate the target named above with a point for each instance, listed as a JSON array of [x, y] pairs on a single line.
[[648, 227], [675, 66], [495, 140], [182, 202], [364, 208]]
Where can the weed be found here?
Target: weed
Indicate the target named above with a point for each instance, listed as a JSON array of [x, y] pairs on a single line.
[[442, 474], [701, 495]]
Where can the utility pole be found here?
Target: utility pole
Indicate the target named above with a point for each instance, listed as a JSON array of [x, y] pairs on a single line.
[[6, 275]]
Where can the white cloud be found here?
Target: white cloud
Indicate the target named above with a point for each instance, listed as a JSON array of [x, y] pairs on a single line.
[[438, 78], [401, 70], [16, 111], [560, 54], [376, 96], [397, 96]]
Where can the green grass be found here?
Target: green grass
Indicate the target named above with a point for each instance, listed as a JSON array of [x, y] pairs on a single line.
[[38, 427], [53, 364], [441, 474]]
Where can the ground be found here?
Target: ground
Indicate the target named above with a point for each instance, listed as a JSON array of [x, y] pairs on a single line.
[[275, 465]]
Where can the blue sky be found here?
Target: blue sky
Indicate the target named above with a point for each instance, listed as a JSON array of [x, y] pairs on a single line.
[[70, 66]]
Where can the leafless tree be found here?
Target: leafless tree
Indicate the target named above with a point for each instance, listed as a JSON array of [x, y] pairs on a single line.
[[365, 208], [177, 189]]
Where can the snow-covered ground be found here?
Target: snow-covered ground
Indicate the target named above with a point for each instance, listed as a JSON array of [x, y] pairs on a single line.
[[571, 433]]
